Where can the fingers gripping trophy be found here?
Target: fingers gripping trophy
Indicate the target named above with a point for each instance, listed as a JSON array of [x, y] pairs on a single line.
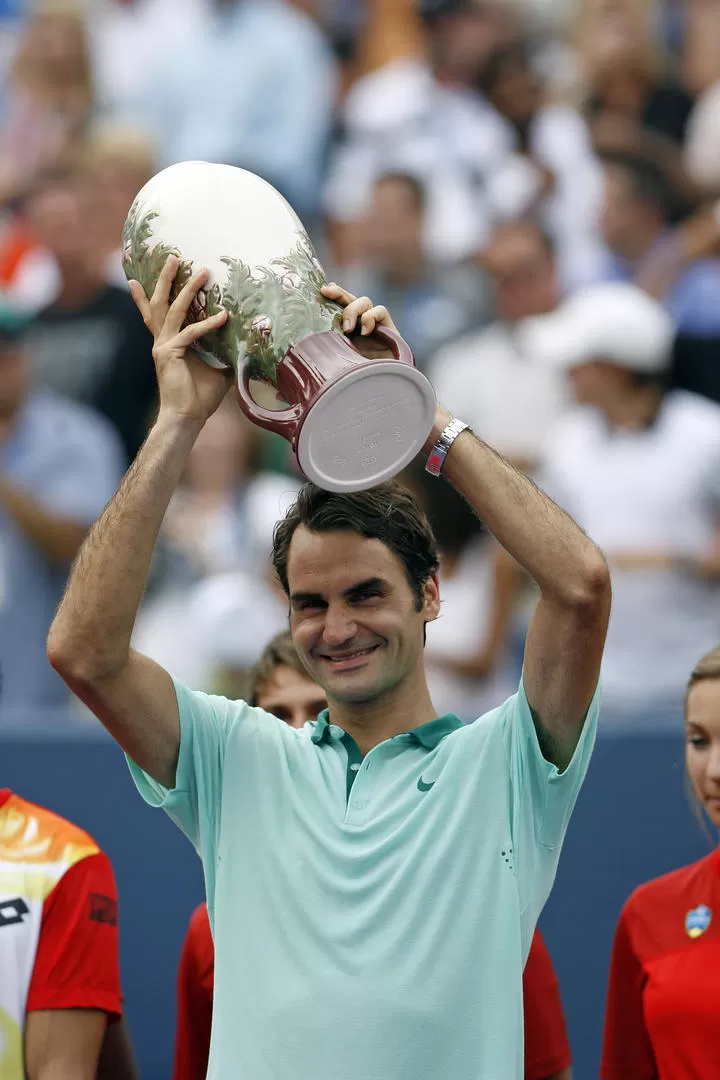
[[233, 257]]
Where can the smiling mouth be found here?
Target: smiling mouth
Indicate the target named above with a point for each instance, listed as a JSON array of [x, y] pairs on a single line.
[[347, 658]]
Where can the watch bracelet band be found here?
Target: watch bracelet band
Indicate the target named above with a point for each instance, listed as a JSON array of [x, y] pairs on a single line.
[[436, 457]]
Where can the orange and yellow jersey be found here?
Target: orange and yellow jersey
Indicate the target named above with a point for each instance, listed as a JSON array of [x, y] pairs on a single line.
[[58, 923]]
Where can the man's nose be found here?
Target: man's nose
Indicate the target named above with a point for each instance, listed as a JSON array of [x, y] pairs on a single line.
[[339, 625]]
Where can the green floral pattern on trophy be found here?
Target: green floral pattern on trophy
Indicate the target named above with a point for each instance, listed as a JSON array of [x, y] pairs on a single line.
[[269, 309]]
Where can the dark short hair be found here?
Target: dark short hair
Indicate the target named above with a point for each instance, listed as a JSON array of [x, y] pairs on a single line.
[[279, 652], [525, 224], [648, 180], [411, 182], [388, 512]]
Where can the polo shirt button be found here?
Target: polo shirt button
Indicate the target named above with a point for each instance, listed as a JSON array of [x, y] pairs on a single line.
[[354, 767]]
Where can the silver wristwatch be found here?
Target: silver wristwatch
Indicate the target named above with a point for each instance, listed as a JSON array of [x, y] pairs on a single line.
[[436, 457]]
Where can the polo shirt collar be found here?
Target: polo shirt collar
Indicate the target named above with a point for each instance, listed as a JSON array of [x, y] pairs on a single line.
[[427, 735]]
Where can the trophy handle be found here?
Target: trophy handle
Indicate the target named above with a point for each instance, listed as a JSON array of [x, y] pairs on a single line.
[[401, 349], [280, 421]]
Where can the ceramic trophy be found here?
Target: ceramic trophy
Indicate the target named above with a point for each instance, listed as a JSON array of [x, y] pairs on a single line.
[[352, 421]]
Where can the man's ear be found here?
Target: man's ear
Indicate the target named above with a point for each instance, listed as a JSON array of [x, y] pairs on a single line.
[[431, 598]]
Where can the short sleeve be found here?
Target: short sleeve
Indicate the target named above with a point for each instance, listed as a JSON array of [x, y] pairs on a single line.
[[627, 1050], [206, 722], [541, 799], [77, 962], [194, 1000], [547, 1050]]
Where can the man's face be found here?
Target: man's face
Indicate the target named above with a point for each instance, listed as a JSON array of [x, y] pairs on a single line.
[[56, 214], [621, 212], [394, 224], [596, 382], [523, 275], [516, 93], [353, 615], [291, 697], [460, 42]]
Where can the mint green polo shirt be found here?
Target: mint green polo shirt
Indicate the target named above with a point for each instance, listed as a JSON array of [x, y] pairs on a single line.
[[371, 916]]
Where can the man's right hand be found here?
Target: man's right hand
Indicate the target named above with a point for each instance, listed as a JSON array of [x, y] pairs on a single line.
[[189, 388]]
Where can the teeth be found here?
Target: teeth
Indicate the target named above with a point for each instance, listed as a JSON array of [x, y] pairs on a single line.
[[351, 656]]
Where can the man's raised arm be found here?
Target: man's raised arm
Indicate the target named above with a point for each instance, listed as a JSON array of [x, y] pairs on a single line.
[[89, 640], [567, 634]]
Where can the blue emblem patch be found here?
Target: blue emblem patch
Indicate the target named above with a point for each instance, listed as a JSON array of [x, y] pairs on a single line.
[[698, 920]]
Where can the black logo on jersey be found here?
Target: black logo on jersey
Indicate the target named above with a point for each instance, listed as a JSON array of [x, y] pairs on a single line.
[[12, 911], [103, 909]]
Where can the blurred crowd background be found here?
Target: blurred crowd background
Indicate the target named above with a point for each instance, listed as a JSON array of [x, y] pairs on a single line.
[[474, 165], [533, 189]]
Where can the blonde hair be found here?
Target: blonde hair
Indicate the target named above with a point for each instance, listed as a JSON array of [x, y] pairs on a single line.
[[110, 143], [30, 74], [707, 667]]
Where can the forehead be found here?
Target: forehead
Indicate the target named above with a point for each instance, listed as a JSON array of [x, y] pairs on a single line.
[[515, 246], [332, 562], [285, 680], [703, 705]]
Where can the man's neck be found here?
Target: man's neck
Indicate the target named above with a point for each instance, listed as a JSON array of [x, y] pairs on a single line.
[[78, 287], [408, 270], [372, 722], [639, 247]]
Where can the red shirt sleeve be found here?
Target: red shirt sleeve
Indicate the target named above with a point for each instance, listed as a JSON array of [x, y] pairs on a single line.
[[77, 964], [627, 1051], [547, 1049], [195, 999]]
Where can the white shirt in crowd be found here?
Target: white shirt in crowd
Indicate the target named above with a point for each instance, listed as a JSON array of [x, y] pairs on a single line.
[[400, 119], [508, 399], [461, 632], [128, 41], [650, 492], [702, 141]]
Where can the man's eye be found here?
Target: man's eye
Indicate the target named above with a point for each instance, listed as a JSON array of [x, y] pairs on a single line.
[[367, 594], [697, 740]]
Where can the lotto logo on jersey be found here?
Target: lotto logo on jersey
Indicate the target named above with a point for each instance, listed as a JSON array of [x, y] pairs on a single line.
[[12, 911], [698, 920]]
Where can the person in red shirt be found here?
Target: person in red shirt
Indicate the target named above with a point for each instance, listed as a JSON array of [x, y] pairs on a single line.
[[60, 1000], [280, 685], [663, 1006]]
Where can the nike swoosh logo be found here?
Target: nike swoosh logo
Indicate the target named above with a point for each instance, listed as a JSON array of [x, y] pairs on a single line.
[[422, 786]]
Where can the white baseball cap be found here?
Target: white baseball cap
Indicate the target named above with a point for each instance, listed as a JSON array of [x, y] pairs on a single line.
[[613, 321]]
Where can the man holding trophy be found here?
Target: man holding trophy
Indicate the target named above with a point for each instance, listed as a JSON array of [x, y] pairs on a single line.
[[374, 879]]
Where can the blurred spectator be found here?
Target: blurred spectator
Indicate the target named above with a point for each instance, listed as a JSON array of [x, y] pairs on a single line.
[[630, 88], [264, 77], [115, 163], [429, 306], [47, 98], [118, 162], [144, 30], [467, 658], [425, 118], [550, 168], [638, 467], [702, 145], [213, 601], [488, 377], [636, 220], [59, 464], [215, 521], [90, 342]]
